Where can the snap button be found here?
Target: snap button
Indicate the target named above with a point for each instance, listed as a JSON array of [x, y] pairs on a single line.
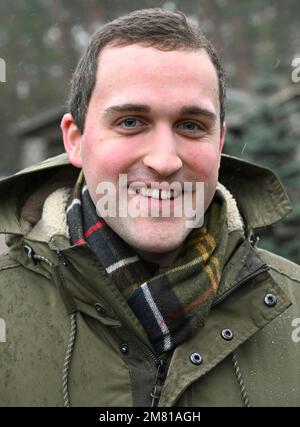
[[124, 348], [196, 358], [270, 300], [227, 334], [100, 309]]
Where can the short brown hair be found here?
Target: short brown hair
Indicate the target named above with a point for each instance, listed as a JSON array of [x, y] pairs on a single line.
[[155, 27]]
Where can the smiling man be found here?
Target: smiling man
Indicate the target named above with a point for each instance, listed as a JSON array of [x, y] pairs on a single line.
[[161, 116], [160, 313]]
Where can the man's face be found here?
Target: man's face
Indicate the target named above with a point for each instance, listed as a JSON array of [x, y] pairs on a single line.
[[166, 140]]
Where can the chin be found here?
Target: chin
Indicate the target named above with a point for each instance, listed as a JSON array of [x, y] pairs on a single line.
[[157, 245]]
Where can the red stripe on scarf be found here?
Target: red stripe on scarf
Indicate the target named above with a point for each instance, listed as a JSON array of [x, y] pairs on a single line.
[[96, 226], [80, 242]]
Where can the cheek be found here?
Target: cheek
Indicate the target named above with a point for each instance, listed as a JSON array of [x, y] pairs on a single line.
[[204, 162], [105, 159]]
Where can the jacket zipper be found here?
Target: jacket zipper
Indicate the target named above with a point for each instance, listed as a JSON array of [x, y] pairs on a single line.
[[161, 365], [159, 382], [62, 258], [263, 268], [161, 373]]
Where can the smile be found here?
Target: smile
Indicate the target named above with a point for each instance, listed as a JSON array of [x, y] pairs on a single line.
[[156, 193]]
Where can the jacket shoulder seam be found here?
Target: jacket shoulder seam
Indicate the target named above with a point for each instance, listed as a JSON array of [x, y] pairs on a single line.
[[280, 265], [6, 262], [289, 276], [9, 266]]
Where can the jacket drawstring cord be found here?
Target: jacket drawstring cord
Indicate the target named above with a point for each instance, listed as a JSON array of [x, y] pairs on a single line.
[[73, 331], [240, 380], [67, 361]]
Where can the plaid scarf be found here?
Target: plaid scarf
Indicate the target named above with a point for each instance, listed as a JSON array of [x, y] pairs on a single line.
[[171, 304]]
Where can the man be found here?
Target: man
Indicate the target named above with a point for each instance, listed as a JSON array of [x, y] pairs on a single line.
[[142, 310]]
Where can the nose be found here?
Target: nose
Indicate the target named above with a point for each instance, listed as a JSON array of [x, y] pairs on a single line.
[[162, 155]]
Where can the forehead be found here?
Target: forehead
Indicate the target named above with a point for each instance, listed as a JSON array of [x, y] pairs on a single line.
[[131, 73]]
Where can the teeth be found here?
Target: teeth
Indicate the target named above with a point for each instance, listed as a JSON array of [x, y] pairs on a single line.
[[157, 194], [165, 194], [147, 192], [153, 193], [143, 192]]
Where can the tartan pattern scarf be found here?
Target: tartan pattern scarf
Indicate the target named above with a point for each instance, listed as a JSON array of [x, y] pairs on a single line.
[[172, 303]]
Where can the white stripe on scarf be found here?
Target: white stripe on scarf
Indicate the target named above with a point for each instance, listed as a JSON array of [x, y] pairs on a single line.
[[84, 188], [158, 317], [74, 202], [121, 263]]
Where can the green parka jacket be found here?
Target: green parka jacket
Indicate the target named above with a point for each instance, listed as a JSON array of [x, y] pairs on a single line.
[[67, 336]]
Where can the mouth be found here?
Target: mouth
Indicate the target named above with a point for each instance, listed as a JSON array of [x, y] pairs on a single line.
[[155, 193], [160, 199]]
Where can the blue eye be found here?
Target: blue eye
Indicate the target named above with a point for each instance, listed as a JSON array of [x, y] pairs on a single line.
[[130, 122], [191, 126]]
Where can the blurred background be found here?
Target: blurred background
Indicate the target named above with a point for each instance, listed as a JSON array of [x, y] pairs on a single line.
[[259, 41]]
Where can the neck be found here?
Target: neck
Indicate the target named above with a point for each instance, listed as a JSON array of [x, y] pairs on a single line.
[[163, 259]]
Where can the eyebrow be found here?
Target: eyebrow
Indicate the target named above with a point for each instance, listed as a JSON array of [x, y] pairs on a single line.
[[141, 108], [194, 110]]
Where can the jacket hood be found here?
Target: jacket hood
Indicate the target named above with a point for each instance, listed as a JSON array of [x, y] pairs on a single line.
[[259, 195]]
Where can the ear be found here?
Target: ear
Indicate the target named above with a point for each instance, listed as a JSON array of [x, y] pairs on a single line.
[[222, 137], [72, 140]]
